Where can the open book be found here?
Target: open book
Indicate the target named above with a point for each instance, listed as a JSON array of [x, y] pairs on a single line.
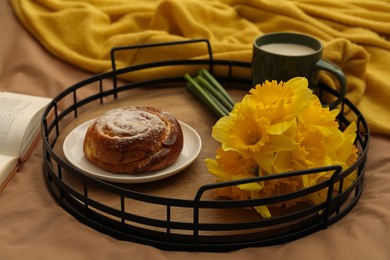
[[20, 117]]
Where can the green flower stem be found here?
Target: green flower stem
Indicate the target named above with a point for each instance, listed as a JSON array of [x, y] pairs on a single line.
[[218, 103], [215, 83], [215, 93], [204, 95], [208, 89]]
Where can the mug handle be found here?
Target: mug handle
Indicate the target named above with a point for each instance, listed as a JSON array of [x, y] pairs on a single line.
[[339, 74]]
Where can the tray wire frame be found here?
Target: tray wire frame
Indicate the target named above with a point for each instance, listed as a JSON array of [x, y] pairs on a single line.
[[195, 234]]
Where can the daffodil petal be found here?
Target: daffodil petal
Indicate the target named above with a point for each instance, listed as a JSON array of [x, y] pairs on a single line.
[[264, 211]]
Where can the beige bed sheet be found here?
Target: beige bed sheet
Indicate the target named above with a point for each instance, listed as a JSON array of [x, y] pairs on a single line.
[[34, 226]]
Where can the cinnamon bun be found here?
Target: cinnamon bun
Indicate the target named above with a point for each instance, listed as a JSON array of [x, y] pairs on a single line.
[[133, 139]]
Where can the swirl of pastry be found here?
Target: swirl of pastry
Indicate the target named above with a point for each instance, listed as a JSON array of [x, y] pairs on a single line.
[[133, 139]]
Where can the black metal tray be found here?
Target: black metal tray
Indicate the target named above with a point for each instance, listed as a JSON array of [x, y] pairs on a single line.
[[195, 234]]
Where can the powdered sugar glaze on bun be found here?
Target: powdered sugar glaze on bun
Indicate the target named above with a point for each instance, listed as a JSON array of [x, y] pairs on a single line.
[[133, 139]]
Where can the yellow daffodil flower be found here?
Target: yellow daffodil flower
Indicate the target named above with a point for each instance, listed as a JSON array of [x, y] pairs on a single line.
[[276, 128]]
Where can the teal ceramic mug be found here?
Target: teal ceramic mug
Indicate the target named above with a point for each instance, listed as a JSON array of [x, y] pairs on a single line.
[[281, 56]]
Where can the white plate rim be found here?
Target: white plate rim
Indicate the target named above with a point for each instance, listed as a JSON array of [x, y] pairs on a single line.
[[73, 151]]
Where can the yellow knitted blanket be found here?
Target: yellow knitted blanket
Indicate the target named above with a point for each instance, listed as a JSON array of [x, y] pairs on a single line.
[[355, 33]]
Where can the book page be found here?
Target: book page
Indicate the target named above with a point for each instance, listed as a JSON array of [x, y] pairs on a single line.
[[16, 112], [10, 108], [8, 166]]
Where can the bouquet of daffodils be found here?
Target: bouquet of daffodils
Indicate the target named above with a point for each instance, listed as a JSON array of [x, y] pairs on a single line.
[[276, 128]]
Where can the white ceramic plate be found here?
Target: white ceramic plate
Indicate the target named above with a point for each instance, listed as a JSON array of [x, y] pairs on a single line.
[[73, 150]]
